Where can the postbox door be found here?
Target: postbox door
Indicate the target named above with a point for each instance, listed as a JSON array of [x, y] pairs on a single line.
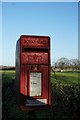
[[34, 83]]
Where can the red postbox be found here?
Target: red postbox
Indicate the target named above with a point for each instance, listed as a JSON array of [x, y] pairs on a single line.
[[33, 72]]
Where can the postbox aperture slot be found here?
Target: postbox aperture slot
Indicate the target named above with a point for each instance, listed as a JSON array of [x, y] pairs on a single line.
[[35, 84], [25, 49]]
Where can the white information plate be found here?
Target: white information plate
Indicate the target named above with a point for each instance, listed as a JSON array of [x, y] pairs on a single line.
[[35, 83], [36, 102]]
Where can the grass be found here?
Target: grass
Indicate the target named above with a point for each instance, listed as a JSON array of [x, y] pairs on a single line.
[[7, 75], [66, 78]]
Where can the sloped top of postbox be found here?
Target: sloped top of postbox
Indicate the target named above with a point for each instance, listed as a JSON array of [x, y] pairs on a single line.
[[35, 41]]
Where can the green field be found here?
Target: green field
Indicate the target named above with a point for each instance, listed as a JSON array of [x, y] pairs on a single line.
[[7, 75], [66, 78], [65, 98]]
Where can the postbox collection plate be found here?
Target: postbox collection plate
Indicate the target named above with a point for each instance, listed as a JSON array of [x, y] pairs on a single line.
[[35, 83]]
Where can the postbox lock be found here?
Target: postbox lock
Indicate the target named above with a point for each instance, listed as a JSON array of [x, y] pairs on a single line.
[[34, 67]]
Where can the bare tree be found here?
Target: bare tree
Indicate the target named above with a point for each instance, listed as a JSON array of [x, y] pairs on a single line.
[[66, 64]]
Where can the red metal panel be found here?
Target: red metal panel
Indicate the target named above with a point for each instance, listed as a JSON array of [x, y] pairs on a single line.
[[34, 58], [22, 81], [45, 84], [35, 41]]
